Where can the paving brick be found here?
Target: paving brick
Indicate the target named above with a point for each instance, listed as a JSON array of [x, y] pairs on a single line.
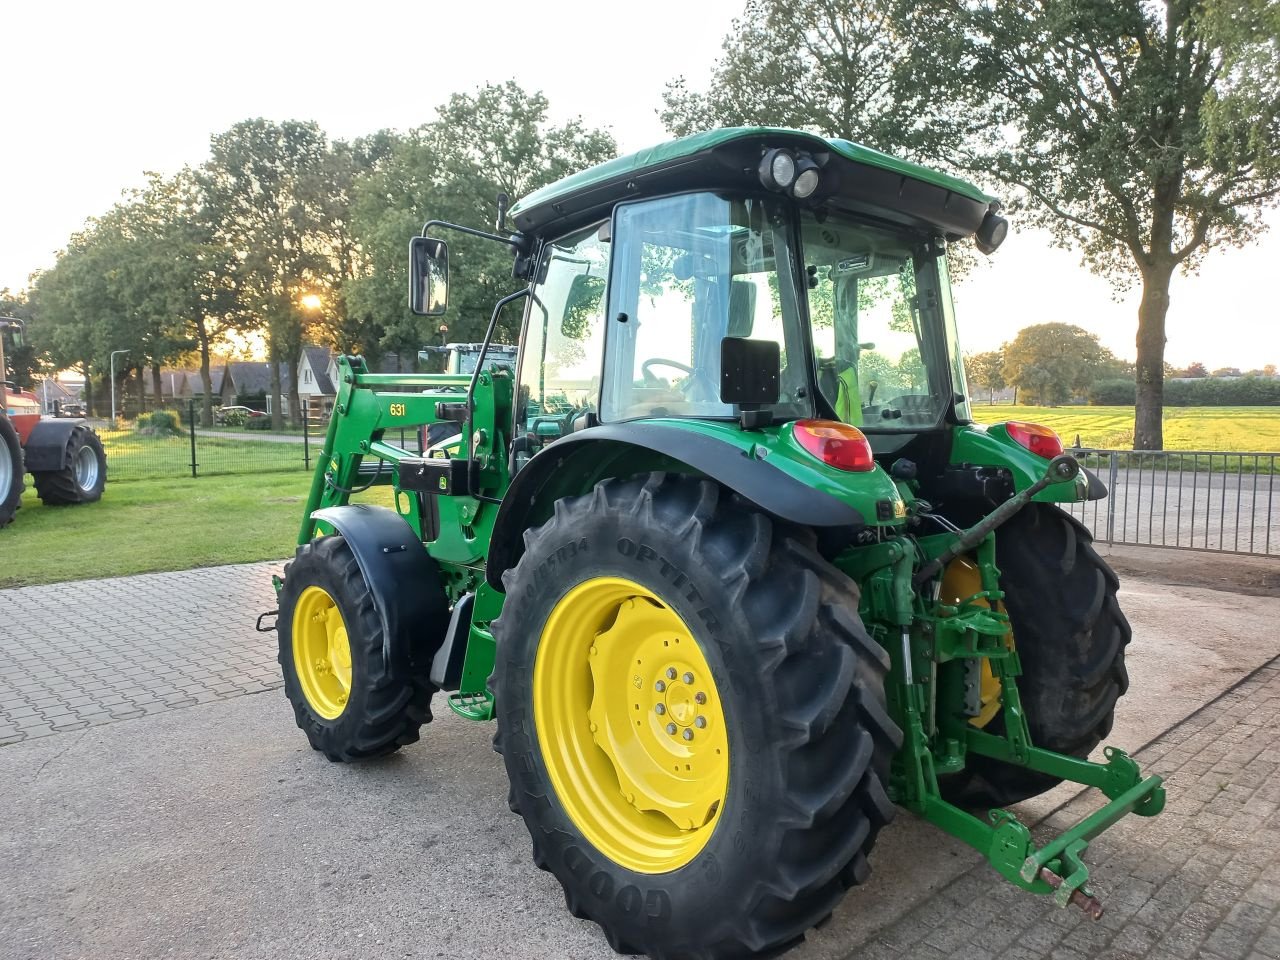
[[162, 641]]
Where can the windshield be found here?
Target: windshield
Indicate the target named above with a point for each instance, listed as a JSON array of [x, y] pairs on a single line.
[[877, 303], [687, 272]]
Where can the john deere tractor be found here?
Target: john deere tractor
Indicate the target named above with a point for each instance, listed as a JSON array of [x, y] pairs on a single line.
[[755, 582]]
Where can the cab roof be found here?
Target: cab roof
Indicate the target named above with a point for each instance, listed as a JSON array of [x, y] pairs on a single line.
[[729, 157]]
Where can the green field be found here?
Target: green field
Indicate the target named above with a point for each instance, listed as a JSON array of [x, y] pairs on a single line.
[[1246, 429], [133, 456]]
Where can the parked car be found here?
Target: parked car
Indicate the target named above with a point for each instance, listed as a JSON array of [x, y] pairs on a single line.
[[236, 415]]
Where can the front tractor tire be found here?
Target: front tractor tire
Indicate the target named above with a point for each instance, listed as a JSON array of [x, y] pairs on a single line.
[[11, 471], [1070, 634], [692, 718], [84, 477], [349, 697]]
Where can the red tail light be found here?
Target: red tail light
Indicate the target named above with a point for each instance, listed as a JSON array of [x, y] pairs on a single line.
[[1041, 441], [835, 444]]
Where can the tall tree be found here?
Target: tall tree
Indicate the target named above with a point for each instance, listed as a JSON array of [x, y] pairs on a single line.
[[986, 370], [497, 140], [1142, 132], [261, 188], [1051, 362]]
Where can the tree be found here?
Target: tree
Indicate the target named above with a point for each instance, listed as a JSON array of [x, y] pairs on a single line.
[[987, 371], [1144, 133], [262, 186], [1050, 362], [497, 140], [1196, 370], [811, 64], [1226, 372]]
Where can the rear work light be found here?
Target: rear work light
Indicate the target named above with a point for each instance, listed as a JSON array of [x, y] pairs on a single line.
[[835, 444], [1041, 441]]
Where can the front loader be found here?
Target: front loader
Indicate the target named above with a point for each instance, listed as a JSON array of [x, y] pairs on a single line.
[[756, 581]]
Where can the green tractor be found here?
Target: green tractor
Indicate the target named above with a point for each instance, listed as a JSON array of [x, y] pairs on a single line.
[[755, 580]]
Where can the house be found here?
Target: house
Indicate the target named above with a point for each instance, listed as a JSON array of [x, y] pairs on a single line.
[[317, 380], [53, 394], [249, 382]]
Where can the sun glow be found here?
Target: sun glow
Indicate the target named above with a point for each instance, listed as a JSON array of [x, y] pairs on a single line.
[[311, 302]]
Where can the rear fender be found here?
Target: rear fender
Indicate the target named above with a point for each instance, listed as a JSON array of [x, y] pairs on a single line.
[[408, 591], [48, 447], [991, 446], [576, 463]]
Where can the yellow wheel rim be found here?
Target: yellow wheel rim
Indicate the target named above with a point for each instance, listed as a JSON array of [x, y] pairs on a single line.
[[961, 581], [630, 725], [321, 652]]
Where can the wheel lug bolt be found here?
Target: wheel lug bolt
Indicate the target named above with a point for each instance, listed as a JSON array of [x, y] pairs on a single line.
[[671, 673], [700, 722], [700, 697], [687, 678], [671, 729], [660, 686], [660, 709], [688, 734]]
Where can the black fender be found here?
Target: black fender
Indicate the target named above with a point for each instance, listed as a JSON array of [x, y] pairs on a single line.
[[48, 448], [756, 480], [408, 590], [1097, 489]]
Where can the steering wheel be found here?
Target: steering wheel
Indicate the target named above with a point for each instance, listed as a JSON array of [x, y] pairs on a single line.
[[650, 379]]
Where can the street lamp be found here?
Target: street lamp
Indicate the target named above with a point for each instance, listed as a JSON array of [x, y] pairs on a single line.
[[113, 386]]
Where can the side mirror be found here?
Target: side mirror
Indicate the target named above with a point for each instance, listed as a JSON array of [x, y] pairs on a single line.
[[428, 276], [750, 371]]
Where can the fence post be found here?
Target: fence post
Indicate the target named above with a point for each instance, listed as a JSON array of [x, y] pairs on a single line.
[[1112, 472], [306, 436], [191, 421]]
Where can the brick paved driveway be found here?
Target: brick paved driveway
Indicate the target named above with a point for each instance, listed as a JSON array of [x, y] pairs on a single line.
[[1202, 880], [98, 857], [77, 654]]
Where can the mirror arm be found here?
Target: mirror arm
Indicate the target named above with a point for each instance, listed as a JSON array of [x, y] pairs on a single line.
[[475, 380], [516, 241]]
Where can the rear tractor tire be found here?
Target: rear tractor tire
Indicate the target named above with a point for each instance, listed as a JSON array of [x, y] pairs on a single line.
[[11, 472], [83, 480], [1070, 635], [348, 698], [692, 718]]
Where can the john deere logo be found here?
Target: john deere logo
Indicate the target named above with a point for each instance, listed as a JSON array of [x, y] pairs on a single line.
[[444, 484]]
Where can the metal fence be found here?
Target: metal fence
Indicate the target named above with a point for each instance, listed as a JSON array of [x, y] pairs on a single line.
[[1202, 500], [138, 451]]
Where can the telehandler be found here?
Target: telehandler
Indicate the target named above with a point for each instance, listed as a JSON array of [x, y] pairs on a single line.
[[755, 581]]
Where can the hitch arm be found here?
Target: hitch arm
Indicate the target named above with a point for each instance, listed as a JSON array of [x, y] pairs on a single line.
[[1061, 469]]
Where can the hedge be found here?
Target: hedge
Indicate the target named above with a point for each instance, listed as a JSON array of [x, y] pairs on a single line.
[[1205, 392]]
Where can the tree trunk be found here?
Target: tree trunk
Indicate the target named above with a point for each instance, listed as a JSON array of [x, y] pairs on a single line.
[[295, 406], [277, 415], [1148, 413], [157, 386], [88, 388], [206, 378]]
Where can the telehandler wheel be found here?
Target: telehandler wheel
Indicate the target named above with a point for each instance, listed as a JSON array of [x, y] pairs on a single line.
[[11, 472], [692, 718], [81, 482], [348, 699], [1070, 635]]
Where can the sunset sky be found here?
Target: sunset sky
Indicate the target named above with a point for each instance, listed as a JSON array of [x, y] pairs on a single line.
[[97, 93]]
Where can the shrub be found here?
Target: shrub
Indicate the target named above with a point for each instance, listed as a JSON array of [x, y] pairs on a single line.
[[257, 423], [159, 423], [234, 418], [1117, 392]]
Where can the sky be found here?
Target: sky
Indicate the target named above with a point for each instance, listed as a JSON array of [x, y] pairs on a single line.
[[98, 93]]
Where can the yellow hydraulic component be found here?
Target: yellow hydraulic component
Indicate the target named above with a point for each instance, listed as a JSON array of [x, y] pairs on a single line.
[[321, 652], [961, 581], [630, 725]]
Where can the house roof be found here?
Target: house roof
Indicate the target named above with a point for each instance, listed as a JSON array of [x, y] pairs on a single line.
[[254, 376], [318, 357]]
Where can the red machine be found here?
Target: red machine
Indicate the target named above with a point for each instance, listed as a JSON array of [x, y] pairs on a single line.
[[64, 457]]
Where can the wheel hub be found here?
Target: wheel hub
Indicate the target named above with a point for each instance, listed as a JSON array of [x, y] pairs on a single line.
[[321, 652], [631, 724]]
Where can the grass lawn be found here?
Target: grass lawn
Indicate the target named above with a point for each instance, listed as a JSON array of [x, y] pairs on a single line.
[[132, 456], [148, 525], [1251, 429]]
